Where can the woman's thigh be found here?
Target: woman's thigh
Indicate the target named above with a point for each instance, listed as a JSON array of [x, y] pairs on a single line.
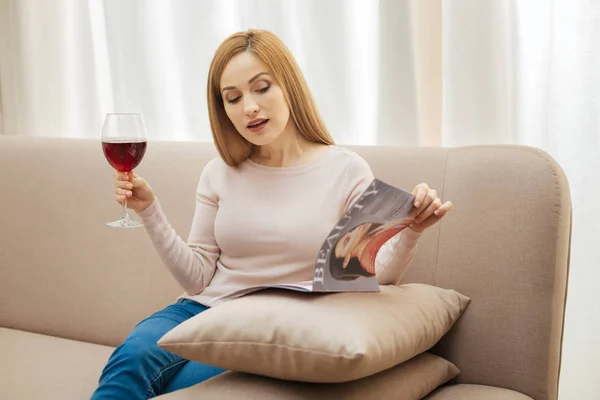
[[159, 323], [191, 374]]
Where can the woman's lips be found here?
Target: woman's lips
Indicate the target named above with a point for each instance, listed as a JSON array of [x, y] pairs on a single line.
[[258, 127]]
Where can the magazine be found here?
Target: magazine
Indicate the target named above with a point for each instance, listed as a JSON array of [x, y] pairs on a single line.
[[346, 260]]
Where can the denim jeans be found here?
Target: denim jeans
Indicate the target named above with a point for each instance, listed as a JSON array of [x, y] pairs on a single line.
[[139, 369]]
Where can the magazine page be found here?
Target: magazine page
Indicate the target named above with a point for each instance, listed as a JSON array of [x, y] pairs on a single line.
[[346, 260], [303, 286]]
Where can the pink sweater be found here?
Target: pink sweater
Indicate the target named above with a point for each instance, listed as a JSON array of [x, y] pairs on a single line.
[[256, 225]]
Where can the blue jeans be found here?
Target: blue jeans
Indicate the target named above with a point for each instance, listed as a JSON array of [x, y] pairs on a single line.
[[139, 369]]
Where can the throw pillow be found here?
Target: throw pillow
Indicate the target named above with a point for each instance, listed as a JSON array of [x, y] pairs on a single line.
[[413, 379], [332, 337]]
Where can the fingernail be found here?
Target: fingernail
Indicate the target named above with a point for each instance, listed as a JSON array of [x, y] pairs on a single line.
[[417, 204]]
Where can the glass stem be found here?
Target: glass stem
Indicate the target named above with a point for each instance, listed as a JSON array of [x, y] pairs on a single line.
[[125, 214]]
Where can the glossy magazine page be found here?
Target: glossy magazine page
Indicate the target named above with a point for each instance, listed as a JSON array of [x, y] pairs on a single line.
[[346, 260]]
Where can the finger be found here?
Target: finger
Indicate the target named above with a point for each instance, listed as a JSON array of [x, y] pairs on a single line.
[[122, 176], [123, 192], [420, 191], [120, 199], [413, 213], [430, 196], [443, 209], [124, 185], [139, 182], [434, 205]]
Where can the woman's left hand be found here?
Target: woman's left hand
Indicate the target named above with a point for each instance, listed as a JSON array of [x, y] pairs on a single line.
[[428, 208]]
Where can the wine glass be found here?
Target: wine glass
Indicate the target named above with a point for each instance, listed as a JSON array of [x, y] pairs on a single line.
[[124, 145]]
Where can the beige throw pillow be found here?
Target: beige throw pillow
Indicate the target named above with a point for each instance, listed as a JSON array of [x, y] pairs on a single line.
[[413, 379], [334, 337]]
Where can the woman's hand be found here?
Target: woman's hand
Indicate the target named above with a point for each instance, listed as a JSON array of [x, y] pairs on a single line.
[[428, 208], [135, 189]]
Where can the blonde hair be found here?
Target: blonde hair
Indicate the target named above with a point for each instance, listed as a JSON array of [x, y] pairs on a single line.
[[232, 146]]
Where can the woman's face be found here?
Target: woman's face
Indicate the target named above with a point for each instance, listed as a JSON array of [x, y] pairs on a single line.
[[253, 101], [346, 244]]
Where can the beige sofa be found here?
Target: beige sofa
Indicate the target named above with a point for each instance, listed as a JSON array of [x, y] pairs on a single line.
[[71, 288]]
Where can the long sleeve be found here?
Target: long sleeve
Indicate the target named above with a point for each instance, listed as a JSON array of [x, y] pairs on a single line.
[[395, 255], [193, 264]]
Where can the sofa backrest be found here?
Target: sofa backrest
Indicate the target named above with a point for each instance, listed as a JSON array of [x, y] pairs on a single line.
[[505, 245]]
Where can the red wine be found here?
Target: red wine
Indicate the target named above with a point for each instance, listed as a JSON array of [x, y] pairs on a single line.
[[124, 155]]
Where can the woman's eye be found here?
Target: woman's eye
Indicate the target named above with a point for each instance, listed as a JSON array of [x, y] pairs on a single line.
[[234, 100], [263, 90]]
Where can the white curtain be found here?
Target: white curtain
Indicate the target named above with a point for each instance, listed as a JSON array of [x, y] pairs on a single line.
[[528, 72], [387, 72], [66, 63]]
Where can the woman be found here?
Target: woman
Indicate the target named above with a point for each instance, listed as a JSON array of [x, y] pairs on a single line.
[[262, 208]]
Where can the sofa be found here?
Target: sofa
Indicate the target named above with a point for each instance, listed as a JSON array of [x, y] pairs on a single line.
[[71, 288]]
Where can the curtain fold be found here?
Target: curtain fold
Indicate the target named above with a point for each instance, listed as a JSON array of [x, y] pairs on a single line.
[[426, 17]]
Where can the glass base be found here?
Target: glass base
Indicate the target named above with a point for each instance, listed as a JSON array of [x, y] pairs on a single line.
[[124, 223]]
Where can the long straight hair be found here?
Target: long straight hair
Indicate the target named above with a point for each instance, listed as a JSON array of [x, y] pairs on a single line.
[[232, 146]]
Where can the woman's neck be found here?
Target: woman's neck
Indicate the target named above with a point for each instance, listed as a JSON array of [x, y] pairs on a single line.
[[288, 150]]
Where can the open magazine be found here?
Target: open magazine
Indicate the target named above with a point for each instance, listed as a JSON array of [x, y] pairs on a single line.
[[346, 260]]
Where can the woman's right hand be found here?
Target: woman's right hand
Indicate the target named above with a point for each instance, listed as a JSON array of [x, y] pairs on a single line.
[[135, 189]]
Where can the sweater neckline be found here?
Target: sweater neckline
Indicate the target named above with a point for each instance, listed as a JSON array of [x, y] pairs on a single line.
[[296, 168]]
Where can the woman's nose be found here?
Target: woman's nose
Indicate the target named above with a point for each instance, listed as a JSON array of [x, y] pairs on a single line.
[[250, 106]]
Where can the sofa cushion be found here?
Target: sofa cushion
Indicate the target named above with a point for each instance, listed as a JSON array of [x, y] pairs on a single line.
[[327, 338], [410, 380], [34, 366], [475, 392]]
